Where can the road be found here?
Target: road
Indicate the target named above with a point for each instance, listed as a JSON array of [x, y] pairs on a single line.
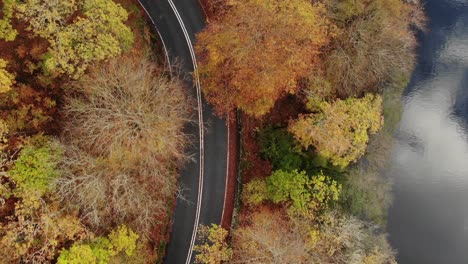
[[203, 181]]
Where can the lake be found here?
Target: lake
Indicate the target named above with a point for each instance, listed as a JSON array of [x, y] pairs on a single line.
[[428, 221]]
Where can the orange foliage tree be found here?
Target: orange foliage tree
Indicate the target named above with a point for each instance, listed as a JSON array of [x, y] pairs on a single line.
[[256, 52]]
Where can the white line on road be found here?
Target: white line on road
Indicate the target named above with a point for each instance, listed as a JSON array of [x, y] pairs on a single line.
[[160, 37], [200, 124]]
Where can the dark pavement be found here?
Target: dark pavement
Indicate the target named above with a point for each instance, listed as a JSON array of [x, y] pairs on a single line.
[[215, 133]]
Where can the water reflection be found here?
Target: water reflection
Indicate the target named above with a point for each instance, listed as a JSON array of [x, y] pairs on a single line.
[[428, 222]]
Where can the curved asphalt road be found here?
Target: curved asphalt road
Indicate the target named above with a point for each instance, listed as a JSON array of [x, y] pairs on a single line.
[[209, 172]]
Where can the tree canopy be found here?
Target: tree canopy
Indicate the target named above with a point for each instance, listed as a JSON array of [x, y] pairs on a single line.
[[97, 33], [340, 130], [257, 51]]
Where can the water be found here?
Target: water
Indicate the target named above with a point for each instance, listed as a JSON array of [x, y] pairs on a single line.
[[428, 222]]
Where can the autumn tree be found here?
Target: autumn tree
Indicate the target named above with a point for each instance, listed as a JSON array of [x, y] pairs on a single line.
[[374, 40], [125, 139], [7, 32], [122, 240], [272, 237], [37, 230], [37, 227], [340, 130], [338, 238], [268, 238], [6, 79], [98, 33], [4, 130], [35, 169], [213, 248], [256, 52]]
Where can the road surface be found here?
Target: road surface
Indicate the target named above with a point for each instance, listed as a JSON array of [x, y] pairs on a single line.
[[204, 180]]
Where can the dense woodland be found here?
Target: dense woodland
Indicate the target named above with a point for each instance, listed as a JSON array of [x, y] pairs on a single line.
[[90, 134], [91, 128], [318, 86]]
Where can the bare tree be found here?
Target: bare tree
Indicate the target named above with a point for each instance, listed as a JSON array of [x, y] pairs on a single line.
[[125, 141]]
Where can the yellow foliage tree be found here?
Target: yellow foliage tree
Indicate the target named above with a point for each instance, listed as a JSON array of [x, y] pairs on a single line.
[[98, 33], [6, 79], [256, 52], [36, 231], [7, 32], [214, 248], [340, 130]]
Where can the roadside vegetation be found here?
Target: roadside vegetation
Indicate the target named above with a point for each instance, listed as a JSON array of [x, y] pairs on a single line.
[[91, 134], [318, 85]]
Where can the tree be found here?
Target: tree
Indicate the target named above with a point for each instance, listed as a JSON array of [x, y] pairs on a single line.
[[125, 139], [374, 40], [337, 238], [340, 130], [214, 248], [268, 238], [7, 32], [101, 249], [285, 186], [46, 18], [37, 230], [279, 147], [121, 103], [256, 52], [35, 169], [6, 79], [366, 194], [307, 194], [4, 130], [255, 192], [98, 34]]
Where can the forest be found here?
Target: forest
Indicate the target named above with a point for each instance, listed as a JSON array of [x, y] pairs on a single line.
[[92, 131], [91, 134], [317, 85]]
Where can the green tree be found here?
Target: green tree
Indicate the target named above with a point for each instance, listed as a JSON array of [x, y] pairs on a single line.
[[307, 194], [290, 186], [279, 147], [101, 249], [340, 130], [214, 248], [36, 168]]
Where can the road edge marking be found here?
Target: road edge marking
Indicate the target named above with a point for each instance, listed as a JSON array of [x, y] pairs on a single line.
[[166, 52], [228, 121], [201, 129]]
